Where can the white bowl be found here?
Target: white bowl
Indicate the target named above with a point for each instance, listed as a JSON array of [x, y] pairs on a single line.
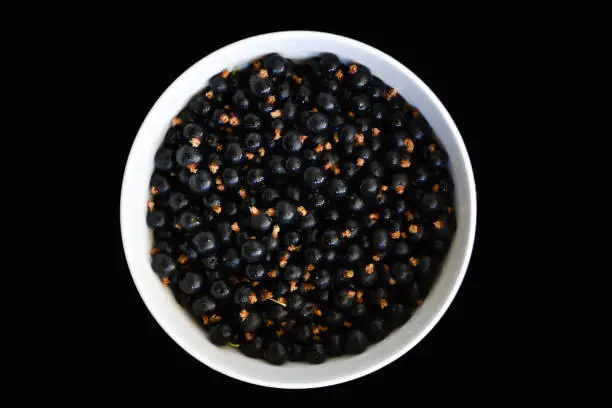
[[137, 238]]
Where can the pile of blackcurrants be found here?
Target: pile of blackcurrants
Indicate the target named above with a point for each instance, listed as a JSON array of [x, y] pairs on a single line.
[[300, 210]]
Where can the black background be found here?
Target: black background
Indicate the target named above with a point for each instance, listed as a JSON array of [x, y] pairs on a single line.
[[461, 351]]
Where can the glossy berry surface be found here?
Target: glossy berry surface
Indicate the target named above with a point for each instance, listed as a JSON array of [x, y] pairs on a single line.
[[301, 210]]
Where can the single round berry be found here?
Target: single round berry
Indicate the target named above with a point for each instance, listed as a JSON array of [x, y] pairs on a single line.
[[314, 177], [205, 242], [291, 142], [337, 188], [219, 290], [187, 155], [276, 353], [292, 273], [156, 219], [233, 153], [159, 185], [285, 212], [293, 164], [356, 342], [202, 305], [191, 283], [330, 239], [163, 265], [163, 159], [260, 86], [277, 313], [244, 297], [188, 221], [369, 186], [296, 352], [250, 321], [255, 178], [221, 334], [253, 347], [303, 333], [178, 201], [275, 64], [200, 182], [402, 272], [317, 123], [253, 251], [315, 354], [345, 298]]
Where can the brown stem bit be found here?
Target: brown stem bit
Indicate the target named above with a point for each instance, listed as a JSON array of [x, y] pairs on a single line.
[[248, 336], [348, 274], [176, 121], [369, 269], [270, 100], [272, 273], [438, 224], [277, 134], [432, 147], [209, 94], [165, 280], [151, 205], [225, 73], [271, 212], [276, 113], [395, 235], [346, 233], [309, 268], [154, 190], [235, 227], [413, 229], [194, 141], [376, 257], [217, 208], [193, 168], [182, 259], [263, 73], [243, 314], [215, 319], [359, 296], [353, 68], [261, 151], [409, 144], [302, 211], [275, 231], [392, 281], [339, 75], [292, 286], [249, 155], [383, 303], [234, 121], [414, 261], [405, 163], [375, 132], [242, 193], [360, 162], [213, 167]]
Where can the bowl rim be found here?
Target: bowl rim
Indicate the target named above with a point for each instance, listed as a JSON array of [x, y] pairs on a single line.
[[466, 255]]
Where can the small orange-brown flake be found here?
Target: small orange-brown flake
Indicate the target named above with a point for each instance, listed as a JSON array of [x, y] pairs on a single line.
[[348, 274], [413, 229], [414, 261], [279, 332], [395, 235], [195, 142], [360, 162], [294, 248], [416, 113], [276, 113], [282, 301], [271, 99], [234, 121], [263, 73], [309, 268], [297, 79], [374, 216], [254, 283], [176, 121], [303, 138], [283, 261], [369, 269], [224, 118], [292, 286], [449, 210], [319, 148], [376, 257], [219, 147], [383, 303], [215, 318], [328, 146], [248, 336], [266, 294], [306, 276], [308, 287], [386, 267], [327, 165], [409, 215], [419, 302], [351, 114], [225, 73], [432, 147], [399, 189], [435, 188], [391, 94], [384, 188], [316, 330], [283, 324], [409, 144], [405, 163], [243, 314], [218, 181], [351, 294], [277, 134], [336, 169], [271, 212], [392, 281], [303, 212], [213, 167], [346, 233], [404, 235], [249, 155], [339, 75], [353, 68], [177, 226], [193, 168], [154, 190], [151, 205], [336, 138], [217, 208], [257, 64], [269, 323], [275, 231], [252, 298], [235, 227], [317, 311], [359, 296], [314, 110], [155, 251], [261, 151], [360, 139], [165, 280], [347, 323], [205, 320], [273, 273], [182, 259], [209, 94], [375, 132], [438, 224], [242, 192]]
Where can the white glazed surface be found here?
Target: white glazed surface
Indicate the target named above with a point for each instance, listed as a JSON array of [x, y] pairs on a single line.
[[137, 240]]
